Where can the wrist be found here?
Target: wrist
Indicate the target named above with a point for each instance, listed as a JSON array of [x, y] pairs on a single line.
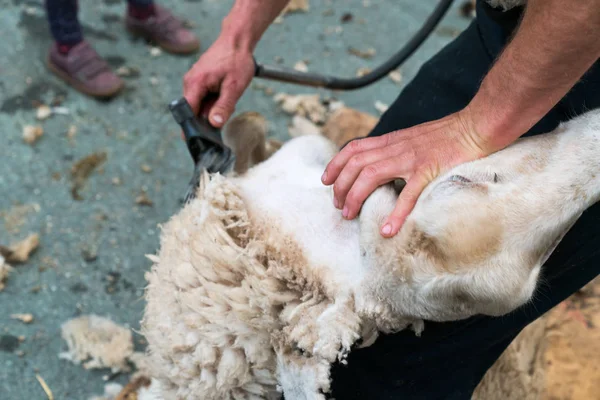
[[506, 107], [236, 34], [248, 20], [241, 29], [493, 120]]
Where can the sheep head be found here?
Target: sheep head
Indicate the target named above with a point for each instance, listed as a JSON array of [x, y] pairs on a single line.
[[480, 233]]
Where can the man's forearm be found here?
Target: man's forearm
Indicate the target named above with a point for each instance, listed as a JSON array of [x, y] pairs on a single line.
[[248, 20], [555, 44]]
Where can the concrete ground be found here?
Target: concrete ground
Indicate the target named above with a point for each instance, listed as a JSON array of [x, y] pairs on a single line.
[[91, 258]]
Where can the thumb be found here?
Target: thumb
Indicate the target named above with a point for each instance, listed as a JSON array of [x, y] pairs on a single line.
[[194, 95], [405, 204], [225, 105]]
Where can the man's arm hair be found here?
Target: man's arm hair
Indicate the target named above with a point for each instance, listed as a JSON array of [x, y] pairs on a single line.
[[248, 20], [556, 42]]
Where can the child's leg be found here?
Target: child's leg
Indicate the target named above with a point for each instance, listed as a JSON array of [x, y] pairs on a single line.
[[64, 24], [74, 60], [140, 9]]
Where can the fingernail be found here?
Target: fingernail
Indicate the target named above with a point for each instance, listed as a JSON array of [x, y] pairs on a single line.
[[324, 177], [345, 212], [336, 203], [387, 229], [218, 119]]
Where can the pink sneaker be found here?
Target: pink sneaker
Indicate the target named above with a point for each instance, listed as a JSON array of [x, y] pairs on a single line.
[[166, 30], [85, 70]]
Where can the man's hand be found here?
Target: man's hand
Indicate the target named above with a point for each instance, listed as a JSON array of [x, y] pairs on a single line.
[[224, 70], [418, 155], [227, 67]]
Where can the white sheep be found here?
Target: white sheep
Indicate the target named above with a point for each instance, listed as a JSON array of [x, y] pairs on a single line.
[[260, 284]]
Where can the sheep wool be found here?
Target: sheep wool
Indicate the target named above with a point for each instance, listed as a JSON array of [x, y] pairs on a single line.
[[5, 270], [97, 342], [227, 302]]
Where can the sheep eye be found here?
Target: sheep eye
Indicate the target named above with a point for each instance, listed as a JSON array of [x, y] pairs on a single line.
[[459, 178]]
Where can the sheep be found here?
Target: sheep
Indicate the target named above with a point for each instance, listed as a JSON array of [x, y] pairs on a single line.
[[259, 284]]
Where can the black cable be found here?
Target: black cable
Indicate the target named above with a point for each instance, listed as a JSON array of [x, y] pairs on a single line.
[[331, 82]]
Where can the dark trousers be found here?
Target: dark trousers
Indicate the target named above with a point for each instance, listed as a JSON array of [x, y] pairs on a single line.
[[450, 359], [63, 20]]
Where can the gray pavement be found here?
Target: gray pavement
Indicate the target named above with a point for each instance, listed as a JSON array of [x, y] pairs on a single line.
[[91, 258]]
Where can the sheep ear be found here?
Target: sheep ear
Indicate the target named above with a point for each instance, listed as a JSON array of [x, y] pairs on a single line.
[[246, 135]]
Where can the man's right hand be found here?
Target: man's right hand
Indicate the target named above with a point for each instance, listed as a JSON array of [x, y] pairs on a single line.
[[224, 69], [227, 67]]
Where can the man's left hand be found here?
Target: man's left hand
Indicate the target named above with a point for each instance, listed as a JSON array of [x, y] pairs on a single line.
[[417, 155]]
